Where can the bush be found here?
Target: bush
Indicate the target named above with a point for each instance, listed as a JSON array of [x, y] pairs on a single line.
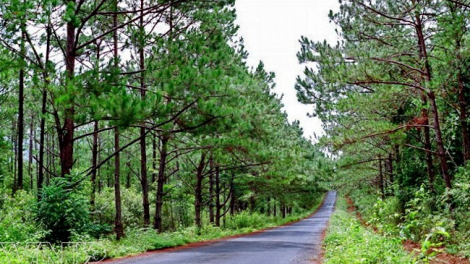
[[420, 220], [385, 215], [246, 219], [64, 211]]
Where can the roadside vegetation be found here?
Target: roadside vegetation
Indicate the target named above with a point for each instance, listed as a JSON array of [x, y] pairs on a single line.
[[393, 95], [349, 241], [84, 248]]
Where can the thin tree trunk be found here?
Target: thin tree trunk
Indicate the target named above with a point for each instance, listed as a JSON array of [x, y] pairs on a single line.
[[463, 119], [233, 197], [211, 189], [14, 136], [42, 126], [439, 142], [21, 115], [381, 178], [160, 184], [269, 206], [143, 146], [118, 226], [154, 158], [218, 207], [94, 163], [48, 159], [390, 170], [129, 172], [30, 156], [427, 146], [198, 191]]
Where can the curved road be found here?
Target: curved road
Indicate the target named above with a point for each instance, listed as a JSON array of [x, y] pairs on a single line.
[[296, 243]]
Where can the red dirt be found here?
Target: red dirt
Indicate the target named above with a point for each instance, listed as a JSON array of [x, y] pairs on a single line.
[[209, 242], [413, 247], [352, 209], [440, 258]]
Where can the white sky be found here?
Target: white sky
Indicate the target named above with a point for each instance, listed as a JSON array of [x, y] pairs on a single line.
[[271, 30]]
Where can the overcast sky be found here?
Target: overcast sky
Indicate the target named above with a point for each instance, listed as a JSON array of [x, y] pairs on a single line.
[[272, 29]]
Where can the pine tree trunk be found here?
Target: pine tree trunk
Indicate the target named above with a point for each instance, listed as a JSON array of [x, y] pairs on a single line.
[[432, 99], [42, 134], [381, 178], [94, 163], [198, 191], [211, 190], [463, 120], [30, 156], [143, 145], [14, 136], [21, 116], [390, 170], [119, 228], [20, 130], [269, 206], [439, 142], [160, 184], [129, 172], [154, 158], [427, 146], [218, 206], [42, 125], [66, 132]]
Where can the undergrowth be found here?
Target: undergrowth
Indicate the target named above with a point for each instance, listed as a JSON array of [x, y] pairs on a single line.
[[348, 241]]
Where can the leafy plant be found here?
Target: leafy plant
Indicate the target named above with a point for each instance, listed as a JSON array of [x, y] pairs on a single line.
[[64, 210]]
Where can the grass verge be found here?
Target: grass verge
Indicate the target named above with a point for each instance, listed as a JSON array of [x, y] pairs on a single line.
[[348, 241]]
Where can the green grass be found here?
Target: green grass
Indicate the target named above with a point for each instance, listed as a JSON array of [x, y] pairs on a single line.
[[348, 241]]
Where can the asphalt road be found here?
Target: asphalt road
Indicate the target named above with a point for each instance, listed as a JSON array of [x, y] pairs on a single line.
[[296, 243]]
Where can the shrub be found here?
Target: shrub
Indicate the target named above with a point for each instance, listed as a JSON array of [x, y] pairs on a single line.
[[64, 210]]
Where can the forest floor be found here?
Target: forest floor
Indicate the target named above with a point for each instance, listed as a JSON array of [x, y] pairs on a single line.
[[442, 257]]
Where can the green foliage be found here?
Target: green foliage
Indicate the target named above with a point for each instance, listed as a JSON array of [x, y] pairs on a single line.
[[64, 211], [347, 241], [421, 224], [104, 210], [17, 218], [247, 219], [461, 198], [384, 215]]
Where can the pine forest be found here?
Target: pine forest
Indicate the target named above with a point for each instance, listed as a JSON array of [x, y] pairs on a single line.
[[129, 126]]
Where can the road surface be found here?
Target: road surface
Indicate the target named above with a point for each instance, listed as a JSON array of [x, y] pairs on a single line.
[[296, 243]]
